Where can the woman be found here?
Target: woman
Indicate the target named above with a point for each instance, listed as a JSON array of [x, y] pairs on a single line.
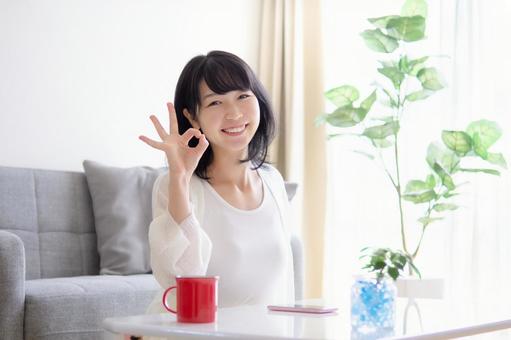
[[220, 209]]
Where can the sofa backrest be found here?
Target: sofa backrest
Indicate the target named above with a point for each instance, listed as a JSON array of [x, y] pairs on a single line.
[[51, 211]]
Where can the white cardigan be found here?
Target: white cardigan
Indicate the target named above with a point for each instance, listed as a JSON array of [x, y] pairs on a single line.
[[185, 249]]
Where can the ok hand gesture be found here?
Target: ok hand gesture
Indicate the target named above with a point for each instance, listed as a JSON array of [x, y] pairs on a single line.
[[182, 159]]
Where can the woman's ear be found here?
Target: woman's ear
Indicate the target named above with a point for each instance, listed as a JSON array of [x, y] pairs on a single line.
[[194, 123]]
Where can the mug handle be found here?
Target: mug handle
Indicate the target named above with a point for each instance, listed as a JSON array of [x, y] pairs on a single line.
[[167, 307]]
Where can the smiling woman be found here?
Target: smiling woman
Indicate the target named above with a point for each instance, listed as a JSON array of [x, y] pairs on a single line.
[[221, 210], [221, 84], [232, 114]]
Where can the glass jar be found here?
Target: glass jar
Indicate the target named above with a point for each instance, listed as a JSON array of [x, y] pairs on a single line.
[[373, 306]]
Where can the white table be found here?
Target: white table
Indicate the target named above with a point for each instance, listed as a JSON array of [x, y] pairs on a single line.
[[256, 322]]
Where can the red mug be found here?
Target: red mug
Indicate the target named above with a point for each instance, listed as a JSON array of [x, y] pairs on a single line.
[[196, 297]]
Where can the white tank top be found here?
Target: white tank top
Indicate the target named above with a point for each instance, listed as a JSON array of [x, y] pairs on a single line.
[[249, 249]]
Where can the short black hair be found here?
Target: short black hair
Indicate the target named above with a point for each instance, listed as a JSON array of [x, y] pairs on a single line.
[[223, 72]]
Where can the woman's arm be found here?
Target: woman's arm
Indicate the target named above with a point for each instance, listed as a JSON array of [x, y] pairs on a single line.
[[177, 243], [176, 248], [179, 190]]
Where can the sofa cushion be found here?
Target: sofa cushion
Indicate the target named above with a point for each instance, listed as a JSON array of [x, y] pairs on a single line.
[[291, 190], [74, 307], [121, 198], [51, 211]]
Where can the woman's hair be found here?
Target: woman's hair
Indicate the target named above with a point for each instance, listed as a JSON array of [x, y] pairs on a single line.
[[223, 72]]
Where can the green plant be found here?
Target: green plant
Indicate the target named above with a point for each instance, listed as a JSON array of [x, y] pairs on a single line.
[[386, 262], [409, 79]]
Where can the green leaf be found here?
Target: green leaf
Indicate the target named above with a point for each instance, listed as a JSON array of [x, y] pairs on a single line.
[[381, 143], [342, 95], [385, 119], [446, 158], [449, 194], [430, 79], [403, 64], [381, 22], [379, 42], [489, 132], [458, 141], [415, 65], [415, 186], [367, 103], [363, 153], [398, 260], [444, 206], [361, 113], [430, 181], [418, 95], [388, 63], [486, 171], [497, 159], [415, 7], [393, 272], [422, 197], [379, 265], [394, 74], [444, 176], [429, 220], [478, 147], [382, 131], [345, 116], [334, 135], [407, 28]]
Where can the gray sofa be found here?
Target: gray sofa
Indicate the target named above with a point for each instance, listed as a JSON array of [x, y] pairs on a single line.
[[50, 287]]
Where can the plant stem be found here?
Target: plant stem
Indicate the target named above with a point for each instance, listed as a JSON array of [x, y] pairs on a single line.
[[399, 111], [385, 166], [428, 214], [400, 200], [420, 241]]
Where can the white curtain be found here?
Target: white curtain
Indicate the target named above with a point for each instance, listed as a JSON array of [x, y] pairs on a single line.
[[290, 67], [470, 248]]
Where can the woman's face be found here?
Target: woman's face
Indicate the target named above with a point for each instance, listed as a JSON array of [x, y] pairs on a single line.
[[228, 120]]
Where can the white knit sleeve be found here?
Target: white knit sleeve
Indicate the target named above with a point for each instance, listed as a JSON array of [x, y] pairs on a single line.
[[176, 249]]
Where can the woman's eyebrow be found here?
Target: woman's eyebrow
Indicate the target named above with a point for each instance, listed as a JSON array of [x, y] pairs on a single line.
[[207, 95]]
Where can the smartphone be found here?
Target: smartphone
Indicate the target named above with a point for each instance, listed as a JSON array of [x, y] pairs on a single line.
[[300, 308]]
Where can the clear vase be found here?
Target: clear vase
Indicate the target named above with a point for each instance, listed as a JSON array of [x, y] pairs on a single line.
[[373, 307]]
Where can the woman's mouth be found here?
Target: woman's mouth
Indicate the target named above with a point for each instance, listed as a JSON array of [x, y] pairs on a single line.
[[235, 131]]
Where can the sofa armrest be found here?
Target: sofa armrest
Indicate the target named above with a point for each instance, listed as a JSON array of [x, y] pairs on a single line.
[[12, 286], [298, 266]]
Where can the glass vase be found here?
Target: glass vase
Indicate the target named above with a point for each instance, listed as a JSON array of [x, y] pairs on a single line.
[[373, 307]]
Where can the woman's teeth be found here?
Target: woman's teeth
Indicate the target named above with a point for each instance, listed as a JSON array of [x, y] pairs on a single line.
[[235, 130]]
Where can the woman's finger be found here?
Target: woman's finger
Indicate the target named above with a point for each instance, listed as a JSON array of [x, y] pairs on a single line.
[[174, 128], [203, 144], [189, 134], [161, 131], [150, 142]]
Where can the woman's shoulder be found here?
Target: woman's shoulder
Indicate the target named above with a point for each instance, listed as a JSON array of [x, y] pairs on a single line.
[[274, 180], [271, 173]]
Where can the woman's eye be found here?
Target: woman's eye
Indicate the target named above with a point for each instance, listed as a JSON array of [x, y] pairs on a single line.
[[216, 102], [243, 96]]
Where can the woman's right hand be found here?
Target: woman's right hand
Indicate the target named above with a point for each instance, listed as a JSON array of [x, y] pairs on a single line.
[[182, 159]]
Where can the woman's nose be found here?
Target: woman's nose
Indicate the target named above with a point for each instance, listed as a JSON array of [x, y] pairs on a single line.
[[233, 113]]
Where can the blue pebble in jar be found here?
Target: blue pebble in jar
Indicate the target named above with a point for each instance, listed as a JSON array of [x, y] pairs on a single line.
[[373, 307]]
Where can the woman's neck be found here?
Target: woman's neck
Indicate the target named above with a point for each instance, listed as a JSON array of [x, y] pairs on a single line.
[[228, 170]]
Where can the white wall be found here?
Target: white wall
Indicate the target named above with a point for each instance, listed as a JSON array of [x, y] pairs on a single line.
[[79, 79]]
